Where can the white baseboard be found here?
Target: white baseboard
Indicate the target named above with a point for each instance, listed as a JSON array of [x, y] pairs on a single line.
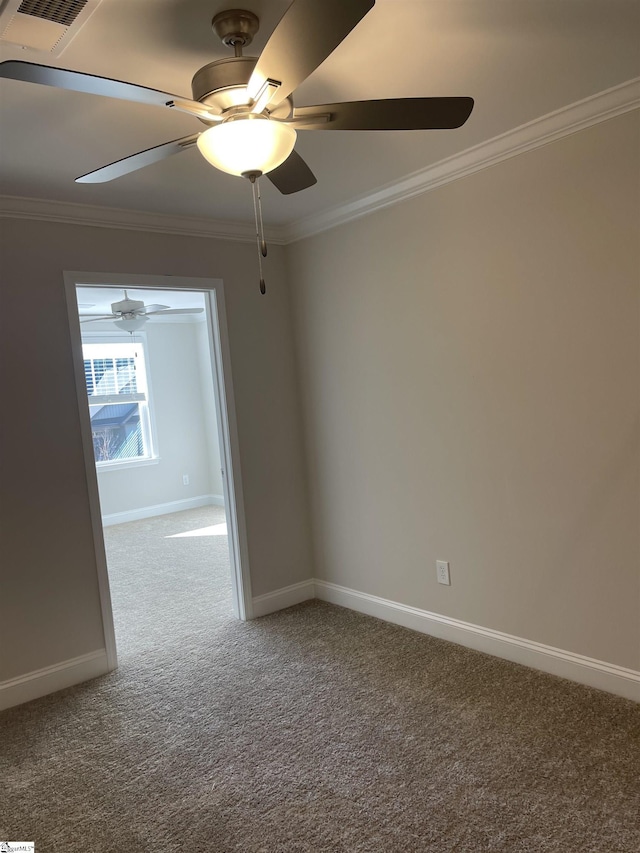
[[161, 509], [33, 685], [281, 598], [594, 673]]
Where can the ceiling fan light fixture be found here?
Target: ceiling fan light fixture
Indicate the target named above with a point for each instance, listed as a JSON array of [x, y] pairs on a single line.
[[247, 144], [130, 324]]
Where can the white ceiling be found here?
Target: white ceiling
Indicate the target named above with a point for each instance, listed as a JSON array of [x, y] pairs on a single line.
[[519, 59]]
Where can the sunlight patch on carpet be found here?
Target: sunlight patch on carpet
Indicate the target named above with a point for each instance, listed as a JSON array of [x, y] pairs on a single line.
[[214, 530]]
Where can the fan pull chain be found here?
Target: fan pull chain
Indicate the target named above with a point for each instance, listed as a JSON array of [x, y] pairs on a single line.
[[263, 243], [260, 241]]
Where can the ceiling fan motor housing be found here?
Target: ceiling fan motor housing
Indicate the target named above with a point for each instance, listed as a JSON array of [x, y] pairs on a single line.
[[223, 84], [127, 306]]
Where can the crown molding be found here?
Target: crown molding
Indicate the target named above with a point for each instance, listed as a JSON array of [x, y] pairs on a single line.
[[16, 207], [549, 128]]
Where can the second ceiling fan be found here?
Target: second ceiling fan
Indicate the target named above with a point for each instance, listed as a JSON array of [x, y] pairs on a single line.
[[132, 314]]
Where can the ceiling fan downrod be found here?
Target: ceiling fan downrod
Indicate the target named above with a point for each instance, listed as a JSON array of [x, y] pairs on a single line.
[[235, 28]]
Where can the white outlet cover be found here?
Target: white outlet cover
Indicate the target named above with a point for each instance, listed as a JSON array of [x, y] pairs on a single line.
[[442, 569]]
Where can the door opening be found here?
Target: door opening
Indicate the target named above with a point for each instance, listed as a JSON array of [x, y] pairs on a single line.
[[158, 427]]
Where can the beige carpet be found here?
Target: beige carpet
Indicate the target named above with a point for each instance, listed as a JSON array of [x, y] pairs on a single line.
[[315, 729]]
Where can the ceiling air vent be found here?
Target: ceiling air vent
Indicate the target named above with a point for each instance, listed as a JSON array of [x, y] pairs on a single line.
[[43, 25]]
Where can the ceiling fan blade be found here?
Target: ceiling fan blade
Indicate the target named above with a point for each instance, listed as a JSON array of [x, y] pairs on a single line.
[[292, 176], [85, 319], [76, 81], [308, 32], [151, 308], [177, 311], [389, 114], [137, 161]]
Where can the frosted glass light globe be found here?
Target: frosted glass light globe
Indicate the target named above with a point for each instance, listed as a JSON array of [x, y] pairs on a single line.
[[244, 144], [131, 324]]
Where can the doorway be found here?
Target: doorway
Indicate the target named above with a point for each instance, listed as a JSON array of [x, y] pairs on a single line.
[[156, 406]]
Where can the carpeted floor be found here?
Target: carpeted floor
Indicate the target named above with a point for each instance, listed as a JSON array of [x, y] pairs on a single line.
[[315, 729], [168, 589]]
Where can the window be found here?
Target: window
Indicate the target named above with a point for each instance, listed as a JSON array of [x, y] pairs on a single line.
[[117, 391]]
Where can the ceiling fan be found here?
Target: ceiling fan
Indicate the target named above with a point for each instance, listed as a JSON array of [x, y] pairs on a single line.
[[246, 102], [132, 314]]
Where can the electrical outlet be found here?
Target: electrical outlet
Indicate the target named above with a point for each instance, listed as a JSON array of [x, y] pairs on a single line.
[[185, 479], [442, 570]]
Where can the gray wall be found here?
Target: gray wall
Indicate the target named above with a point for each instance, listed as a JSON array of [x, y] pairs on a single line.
[[469, 369], [50, 608]]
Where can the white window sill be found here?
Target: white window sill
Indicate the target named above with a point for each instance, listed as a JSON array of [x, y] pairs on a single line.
[[120, 466]]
